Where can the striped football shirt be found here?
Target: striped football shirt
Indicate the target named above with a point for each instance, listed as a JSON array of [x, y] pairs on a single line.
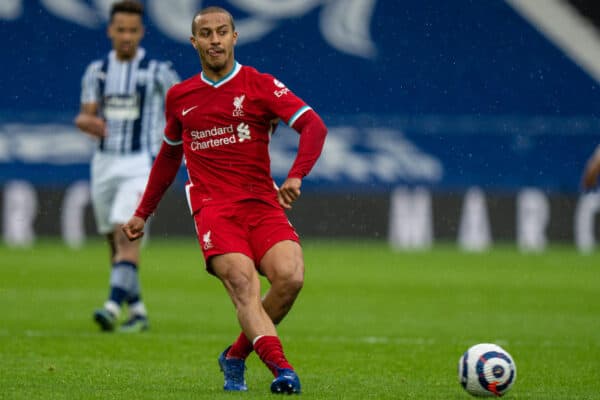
[[130, 96]]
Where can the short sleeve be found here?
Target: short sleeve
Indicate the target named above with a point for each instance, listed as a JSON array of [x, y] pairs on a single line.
[[166, 76], [90, 83]]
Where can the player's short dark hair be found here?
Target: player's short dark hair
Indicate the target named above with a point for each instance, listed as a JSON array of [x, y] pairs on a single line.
[[210, 10], [127, 6]]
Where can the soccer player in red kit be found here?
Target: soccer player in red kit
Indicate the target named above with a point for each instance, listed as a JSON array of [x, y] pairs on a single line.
[[222, 121]]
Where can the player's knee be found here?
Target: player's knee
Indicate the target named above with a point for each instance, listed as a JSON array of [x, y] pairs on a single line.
[[295, 284], [291, 276], [126, 250], [239, 283]]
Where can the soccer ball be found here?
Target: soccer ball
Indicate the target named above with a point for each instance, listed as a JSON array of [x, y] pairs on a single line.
[[486, 370]]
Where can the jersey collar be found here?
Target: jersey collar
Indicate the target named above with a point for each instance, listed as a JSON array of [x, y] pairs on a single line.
[[139, 54], [234, 71]]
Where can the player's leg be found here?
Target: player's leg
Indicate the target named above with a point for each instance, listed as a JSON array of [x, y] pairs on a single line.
[[276, 246], [110, 239], [124, 287], [125, 272], [222, 233], [275, 243], [219, 235], [238, 274], [283, 265], [125, 277], [103, 190]]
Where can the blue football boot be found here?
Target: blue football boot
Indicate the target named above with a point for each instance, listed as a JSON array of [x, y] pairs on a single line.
[[233, 370], [287, 382]]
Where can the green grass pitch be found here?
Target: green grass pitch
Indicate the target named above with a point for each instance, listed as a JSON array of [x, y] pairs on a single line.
[[370, 323]]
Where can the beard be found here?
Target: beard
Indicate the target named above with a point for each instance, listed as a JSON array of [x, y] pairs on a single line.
[[126, 52], [215, 65]]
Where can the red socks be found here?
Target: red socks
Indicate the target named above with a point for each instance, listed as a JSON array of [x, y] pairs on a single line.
[[241, 348], [270, 351], [268, 348]]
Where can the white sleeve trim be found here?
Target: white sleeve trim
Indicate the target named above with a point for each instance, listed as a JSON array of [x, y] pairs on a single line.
[[297, 115], [172, 142]]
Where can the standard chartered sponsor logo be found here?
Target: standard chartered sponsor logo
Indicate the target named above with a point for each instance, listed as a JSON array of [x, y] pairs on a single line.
[[213, 137], [212, 132], [243, 131]]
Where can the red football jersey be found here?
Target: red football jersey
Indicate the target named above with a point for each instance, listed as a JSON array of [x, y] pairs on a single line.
[[225, 128]]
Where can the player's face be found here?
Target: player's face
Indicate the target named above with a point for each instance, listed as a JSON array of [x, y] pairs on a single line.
[[214, 39], [126, 31]]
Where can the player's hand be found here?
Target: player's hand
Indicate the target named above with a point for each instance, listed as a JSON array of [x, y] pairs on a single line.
[[591, 172], [97, 127], [92, 125], [590, 179], [134, 228], [289, 192]]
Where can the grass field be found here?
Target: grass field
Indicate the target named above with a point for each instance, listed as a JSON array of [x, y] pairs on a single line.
[[369, 324]]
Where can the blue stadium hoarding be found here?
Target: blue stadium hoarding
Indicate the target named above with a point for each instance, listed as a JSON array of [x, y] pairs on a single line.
[[445, 94]]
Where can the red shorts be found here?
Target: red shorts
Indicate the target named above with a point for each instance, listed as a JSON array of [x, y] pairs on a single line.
[[250, 227]]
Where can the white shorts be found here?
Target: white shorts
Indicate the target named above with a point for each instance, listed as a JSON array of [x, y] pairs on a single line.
[[118, 183]]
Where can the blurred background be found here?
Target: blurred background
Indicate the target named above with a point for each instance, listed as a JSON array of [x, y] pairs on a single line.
[[464, 120]]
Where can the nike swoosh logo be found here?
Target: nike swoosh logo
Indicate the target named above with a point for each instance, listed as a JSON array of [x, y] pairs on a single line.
[[187, 110]]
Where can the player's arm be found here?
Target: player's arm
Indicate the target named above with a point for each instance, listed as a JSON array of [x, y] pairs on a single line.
[[89, 122], [166, 77], [88, 119], [312, 132], [163, 173], [592, 170]]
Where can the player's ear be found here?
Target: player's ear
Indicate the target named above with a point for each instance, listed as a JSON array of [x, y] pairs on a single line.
[[235, 36], [193, 42]]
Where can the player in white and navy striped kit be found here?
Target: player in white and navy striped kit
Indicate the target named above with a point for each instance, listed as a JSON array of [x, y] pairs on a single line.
[[122, 100]]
